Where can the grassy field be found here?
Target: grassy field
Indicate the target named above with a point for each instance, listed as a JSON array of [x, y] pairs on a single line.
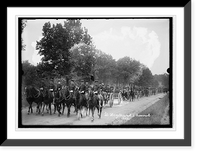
[[157, 114]]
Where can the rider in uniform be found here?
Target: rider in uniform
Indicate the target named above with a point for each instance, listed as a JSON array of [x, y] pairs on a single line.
[[96, 87], [42, 85], [72, 86], [111, 89], [108, 89], [82, 88], [102, 87], [59, 86], [52, 89], [87, 86]]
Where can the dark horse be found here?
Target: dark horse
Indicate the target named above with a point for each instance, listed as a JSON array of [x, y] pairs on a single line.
[[59, 100], [81, 104], [95, 101], [47, 100], [132, 94], [68, 101], [33, 95]]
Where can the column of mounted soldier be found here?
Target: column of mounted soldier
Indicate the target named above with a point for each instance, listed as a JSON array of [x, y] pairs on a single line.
[[83, 97]]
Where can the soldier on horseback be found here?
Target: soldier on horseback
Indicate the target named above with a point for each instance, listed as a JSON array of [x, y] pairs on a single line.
[[52, 89], [72, 86], [82, 88], [87, 86], [59, 86], [96, 87]]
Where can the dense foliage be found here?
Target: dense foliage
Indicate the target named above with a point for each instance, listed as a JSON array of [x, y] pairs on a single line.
[[67, 51]]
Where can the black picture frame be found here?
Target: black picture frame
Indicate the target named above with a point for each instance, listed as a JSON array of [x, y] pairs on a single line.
[[126, 142]]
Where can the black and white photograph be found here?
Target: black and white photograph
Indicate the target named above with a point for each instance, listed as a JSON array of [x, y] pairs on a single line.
[[95, 72]]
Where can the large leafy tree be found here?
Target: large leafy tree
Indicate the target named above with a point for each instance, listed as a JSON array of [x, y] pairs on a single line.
[[105, 67], [55, 44], [128, 69], [146, 78], [163, 80], [23, 25], [30, 74], [83, 60]]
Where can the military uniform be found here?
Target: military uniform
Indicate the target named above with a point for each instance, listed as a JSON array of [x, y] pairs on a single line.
[[111, 89], [59, 86], [87, 86], [103, 88], [72, 86], [82, 88], [96, 87], [52, 89]]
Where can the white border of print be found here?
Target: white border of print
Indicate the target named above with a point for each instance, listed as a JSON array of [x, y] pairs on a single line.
[[177, 132]]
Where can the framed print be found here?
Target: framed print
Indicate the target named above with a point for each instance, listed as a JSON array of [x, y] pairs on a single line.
[[99, 76]]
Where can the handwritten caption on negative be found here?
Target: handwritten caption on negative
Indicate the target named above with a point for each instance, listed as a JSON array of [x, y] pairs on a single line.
[[125, 116]]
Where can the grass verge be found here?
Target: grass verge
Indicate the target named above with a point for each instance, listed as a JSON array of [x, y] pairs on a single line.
[[157, 114]]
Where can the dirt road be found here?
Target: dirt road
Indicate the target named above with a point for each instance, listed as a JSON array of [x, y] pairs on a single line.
[[123, 112]]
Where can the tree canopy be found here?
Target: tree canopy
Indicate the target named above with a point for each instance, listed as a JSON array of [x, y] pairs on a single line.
[[67, 51], [56, 42]]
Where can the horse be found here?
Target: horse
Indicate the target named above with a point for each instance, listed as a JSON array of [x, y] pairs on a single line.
[[59, 99], [100, 105], [105, 97], [33, 95], [81, 104], [95, 101], [124, 95], [132, 95], [110, 99], [69, 100], [119, 96], [47, 100]]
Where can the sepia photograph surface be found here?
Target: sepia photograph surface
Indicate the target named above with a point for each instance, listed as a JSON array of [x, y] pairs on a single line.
[[95, 72]]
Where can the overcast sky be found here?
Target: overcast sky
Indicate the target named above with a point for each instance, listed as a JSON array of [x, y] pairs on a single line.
[[145, 40]]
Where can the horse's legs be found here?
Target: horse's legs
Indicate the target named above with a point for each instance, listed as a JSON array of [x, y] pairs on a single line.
[[63, 110], [78, 113], [30, 107], [81, 112], [100, 110], [47, 109], [92, 109], [88, 111], [50, 109], [68, 110], [39, 107], [58, 109], [42, 108], [55, 107]]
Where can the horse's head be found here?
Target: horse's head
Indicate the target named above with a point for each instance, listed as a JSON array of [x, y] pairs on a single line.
[[28, 91], [25, 90], [44, 92]]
